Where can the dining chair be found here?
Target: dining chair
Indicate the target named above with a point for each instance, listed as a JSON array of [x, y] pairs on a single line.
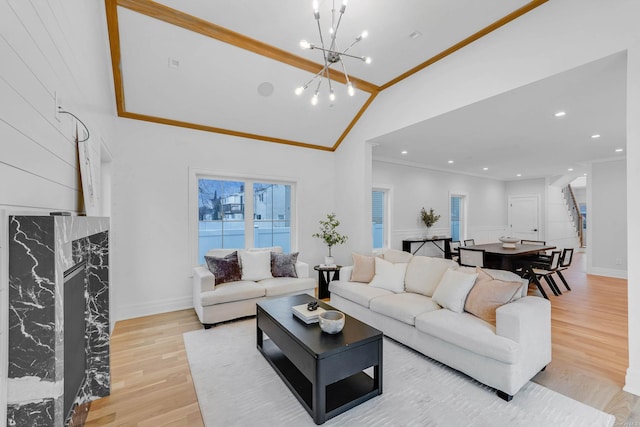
[[469, 242], [537, 270], [565, 262], [454, 245], [471, 257]]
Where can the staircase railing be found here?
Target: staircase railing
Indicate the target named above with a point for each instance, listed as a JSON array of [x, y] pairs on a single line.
[[574, 211]]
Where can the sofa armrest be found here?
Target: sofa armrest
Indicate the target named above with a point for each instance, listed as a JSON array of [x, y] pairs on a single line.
[[528, 322], [203, 280], [302, 269]]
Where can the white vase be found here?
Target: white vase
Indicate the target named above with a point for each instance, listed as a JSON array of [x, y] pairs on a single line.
[[328, 260]]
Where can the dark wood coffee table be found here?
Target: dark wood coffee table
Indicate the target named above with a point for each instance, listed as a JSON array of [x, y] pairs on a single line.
[[324, 372]]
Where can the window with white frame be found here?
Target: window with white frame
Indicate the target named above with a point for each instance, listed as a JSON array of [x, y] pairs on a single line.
[[243, 213]]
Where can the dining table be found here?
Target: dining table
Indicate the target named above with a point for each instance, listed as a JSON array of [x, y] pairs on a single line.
[[499, 257]]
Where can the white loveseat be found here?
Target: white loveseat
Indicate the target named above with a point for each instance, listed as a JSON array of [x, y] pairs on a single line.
[[227, 301], [504, 356]]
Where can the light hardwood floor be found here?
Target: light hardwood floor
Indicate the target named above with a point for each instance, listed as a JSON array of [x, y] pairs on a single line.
[[152, 385]]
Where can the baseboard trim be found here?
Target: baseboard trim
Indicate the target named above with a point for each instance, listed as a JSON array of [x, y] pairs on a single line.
[[632, 382], [607, 272], [132, 311]]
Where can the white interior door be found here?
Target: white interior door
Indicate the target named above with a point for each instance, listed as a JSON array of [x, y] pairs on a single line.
[[524, 217]]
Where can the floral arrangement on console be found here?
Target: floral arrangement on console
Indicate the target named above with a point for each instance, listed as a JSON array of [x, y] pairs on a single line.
[[429, 218], [329, 235]]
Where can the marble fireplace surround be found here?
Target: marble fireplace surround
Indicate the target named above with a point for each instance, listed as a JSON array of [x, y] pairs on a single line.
[[41, 249]]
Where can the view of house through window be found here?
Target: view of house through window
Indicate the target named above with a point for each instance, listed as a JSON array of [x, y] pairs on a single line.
[[377, 218], [226, 220]]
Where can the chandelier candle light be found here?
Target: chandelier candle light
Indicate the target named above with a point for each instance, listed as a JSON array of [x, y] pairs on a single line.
[[331, 54]]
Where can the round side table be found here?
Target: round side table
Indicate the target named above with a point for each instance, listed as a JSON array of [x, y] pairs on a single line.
[[325, 275]]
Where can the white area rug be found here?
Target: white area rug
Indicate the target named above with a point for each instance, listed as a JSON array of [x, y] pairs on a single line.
[[237, 387]]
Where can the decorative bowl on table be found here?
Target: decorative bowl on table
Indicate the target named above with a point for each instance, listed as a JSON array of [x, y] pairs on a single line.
[[331, 321], [509, 242]]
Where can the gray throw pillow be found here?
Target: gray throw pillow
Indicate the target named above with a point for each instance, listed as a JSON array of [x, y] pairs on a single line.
[[284, 265], [225, 269]]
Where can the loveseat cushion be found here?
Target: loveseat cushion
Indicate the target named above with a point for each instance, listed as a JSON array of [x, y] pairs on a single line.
[[404, 306], [232, 291], [225, 269], [284, 265], [359, 293], [424, 273], [285, 285], [469, 332]]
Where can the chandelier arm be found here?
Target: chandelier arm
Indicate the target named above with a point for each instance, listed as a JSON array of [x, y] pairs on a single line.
[[335, 30], [344, 70], [355, 42], [339, 53]]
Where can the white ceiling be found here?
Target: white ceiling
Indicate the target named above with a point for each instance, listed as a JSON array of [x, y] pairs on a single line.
[[517, 132], [215, 84]]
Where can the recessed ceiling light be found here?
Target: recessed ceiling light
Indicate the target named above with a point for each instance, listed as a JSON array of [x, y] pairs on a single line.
[[519, 174], [415, 35], [570, 169], [404, 152], [450, 161], [595, 136], [619, 150], [560, 114], [485, 169], [585, 174]]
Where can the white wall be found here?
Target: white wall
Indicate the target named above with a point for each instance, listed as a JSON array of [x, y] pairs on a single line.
[[553, 38], [46, 47], [633, 207], [413, 188], [151, 245], [607, 213]]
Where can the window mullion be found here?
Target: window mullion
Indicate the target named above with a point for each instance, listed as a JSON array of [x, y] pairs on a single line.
[[248, 214]]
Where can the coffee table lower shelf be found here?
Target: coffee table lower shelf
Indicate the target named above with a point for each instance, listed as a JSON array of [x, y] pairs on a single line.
[[340, 396]]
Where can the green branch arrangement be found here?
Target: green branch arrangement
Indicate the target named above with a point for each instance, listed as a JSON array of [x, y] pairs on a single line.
[[429, 218], [328, 233]]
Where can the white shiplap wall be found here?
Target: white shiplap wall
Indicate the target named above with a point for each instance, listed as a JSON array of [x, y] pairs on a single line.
[[47, 50]]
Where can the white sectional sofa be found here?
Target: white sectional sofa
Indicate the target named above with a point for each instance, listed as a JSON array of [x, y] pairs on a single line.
[[503, 356], [231, 300]]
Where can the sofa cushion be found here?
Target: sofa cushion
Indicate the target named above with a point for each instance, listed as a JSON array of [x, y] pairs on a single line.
[[225, 269], [232, 291], [453, 289], [359, 293], [404, 306], [389, 276], [488, 294], [424, 274], [255, 265], [395, 256], [364, 268], [469, 332], [285, 285], [284, 265]]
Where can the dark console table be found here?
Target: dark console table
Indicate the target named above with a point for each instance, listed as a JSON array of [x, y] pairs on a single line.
[[445, 248], [324, 372]]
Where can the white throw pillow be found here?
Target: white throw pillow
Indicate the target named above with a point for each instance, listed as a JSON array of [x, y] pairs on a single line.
[[389, 276], [453, 289], [255, 265]]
